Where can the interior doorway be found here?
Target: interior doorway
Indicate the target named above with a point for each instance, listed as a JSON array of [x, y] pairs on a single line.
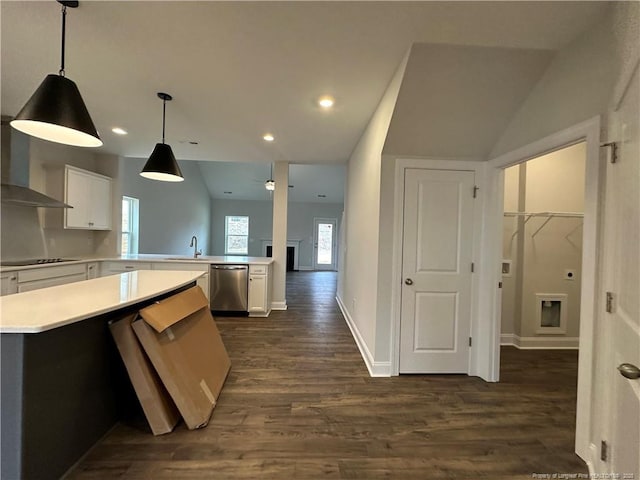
[[542, 250]]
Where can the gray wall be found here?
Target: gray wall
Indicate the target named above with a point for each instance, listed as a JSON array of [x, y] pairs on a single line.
[[260, 220], [24, 232], [299, 224], [170, 213]]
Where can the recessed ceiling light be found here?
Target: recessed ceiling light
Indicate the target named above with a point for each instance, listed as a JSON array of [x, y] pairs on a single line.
[[268, 137], [119, 131], [326, 101]]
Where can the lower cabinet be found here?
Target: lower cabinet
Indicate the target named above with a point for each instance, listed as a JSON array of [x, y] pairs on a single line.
[[112, 268], [202, 282], [92, 270], [50, 276], [9, 281], [259, 290]]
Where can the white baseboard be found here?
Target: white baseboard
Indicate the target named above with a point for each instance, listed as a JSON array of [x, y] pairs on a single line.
[[302, 268], [279, 305], [539, 343], [376, 369]]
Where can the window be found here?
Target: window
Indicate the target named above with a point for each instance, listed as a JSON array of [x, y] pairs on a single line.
[[129, 239], [236, 235]]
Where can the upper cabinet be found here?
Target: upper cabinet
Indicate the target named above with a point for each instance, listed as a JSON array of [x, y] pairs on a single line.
[[90, 195]]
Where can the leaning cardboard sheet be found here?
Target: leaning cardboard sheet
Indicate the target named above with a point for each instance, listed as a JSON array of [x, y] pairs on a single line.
[[180, 339]]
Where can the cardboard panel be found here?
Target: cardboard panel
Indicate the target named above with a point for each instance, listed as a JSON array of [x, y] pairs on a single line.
[[164, 314], [160, 410], [188, 353]]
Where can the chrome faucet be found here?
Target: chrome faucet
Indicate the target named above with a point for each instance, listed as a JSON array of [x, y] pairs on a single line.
[[194, 243]]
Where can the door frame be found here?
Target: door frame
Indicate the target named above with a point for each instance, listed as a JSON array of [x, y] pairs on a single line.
[[490, 305], [334, 242], [401, 164]]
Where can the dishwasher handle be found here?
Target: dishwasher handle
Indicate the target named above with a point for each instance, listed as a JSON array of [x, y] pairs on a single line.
[[229, 267]]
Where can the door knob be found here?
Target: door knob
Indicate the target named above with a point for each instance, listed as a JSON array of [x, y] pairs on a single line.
[[629, 371], [408, 281]]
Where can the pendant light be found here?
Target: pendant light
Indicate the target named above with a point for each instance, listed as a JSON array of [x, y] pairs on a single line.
[[162, 164], [56, 111], [270, 184]]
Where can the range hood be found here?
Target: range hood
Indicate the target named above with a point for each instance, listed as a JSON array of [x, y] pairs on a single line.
[[15, 172]]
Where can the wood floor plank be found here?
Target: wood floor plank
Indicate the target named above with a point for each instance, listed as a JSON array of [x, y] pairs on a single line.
[[299, 404]]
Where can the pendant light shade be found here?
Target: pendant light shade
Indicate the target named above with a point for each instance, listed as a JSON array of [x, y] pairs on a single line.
[[270, 184], [162, 163], [56, 111]]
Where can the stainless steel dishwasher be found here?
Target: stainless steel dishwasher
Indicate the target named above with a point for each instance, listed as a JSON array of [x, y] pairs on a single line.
[[228, 288]]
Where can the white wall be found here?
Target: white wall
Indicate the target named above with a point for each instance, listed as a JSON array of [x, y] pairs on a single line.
[[552, 182], [170, 213], [359, 271], [577, 85]]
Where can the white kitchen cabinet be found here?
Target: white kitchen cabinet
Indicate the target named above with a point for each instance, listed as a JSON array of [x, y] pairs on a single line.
[[34, 279], [90, 196], [89, 193], [9, 282], [202, 282], [113, 267], [92, 270], [259, 291]]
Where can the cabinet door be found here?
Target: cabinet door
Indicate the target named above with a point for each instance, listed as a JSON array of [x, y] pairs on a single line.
[[51, 282], [92, 271], [257, 293], [9, 283], [90, 196], [202, 282], [77, 194], [100, 204]]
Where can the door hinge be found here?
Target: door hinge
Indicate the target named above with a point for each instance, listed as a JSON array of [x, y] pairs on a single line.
[[475, 191], [613, 151], [473, 267], [470, 341], [604, 451], [609, 302], [499, 284]]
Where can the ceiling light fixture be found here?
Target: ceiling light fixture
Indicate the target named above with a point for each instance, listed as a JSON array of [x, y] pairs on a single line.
[[119, 131], [326, 102], [268, 137], [162, 164], [270, 184], [56, 111]]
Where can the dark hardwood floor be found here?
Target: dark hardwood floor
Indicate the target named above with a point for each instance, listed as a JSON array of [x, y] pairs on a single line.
[[299, 404]]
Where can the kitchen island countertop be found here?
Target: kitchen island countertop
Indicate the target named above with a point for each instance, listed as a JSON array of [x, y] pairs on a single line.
[[48, 308]]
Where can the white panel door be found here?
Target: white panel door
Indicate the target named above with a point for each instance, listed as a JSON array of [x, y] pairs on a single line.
[[622, 247], [436, 271]]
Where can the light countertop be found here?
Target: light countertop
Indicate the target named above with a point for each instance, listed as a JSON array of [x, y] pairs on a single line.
[[154, 257], [49, 308]]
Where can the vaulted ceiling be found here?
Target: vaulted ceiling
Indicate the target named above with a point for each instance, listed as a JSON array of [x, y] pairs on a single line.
[[240, 69]]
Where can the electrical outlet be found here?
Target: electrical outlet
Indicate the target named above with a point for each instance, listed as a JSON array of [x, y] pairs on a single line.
[[569, 274]]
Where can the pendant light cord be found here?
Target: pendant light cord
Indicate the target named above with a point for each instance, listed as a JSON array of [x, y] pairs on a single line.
[[164, 114], [64, 31]]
